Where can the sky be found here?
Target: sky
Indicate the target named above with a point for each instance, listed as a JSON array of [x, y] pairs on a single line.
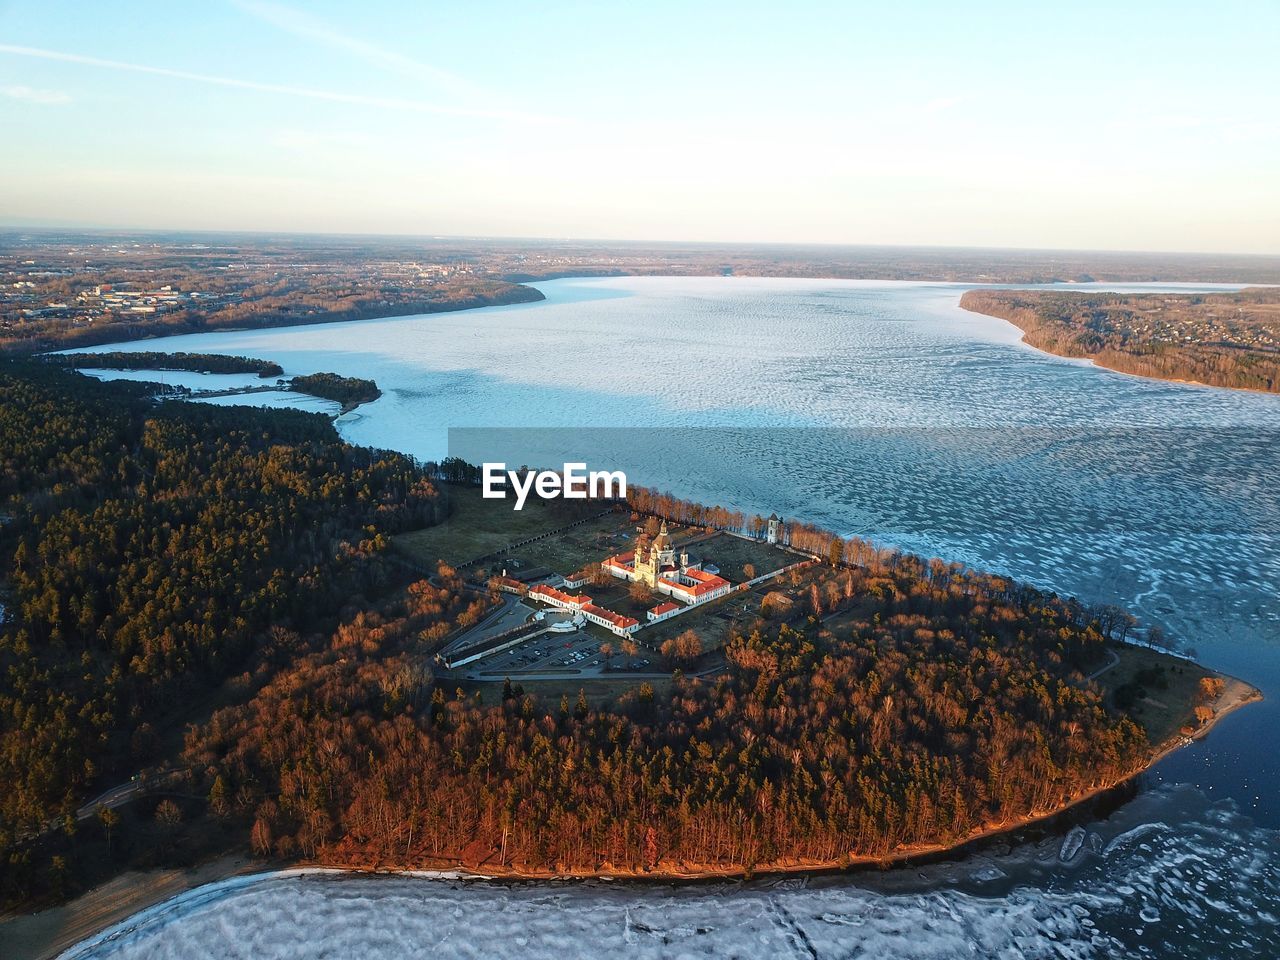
[[1134, 126]]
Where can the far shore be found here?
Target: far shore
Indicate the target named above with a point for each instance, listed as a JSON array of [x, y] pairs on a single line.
[[1098, 364], [517, 294], [42, 935], [1093, 361]]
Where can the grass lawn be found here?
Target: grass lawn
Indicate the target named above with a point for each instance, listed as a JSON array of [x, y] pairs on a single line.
[[574, 549], [731, 554], [712, 623], [477, 527], [1169, 689], [859, 611]]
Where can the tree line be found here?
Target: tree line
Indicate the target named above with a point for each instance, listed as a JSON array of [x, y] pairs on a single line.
[[331, 386], [151, 360]]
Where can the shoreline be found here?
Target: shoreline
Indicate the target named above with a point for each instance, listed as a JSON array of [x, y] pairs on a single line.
[[529, 294], [50, 932], [1099, 365]]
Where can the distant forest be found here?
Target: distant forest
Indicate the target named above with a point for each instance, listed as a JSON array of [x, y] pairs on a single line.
[[1216, 339], [148, 360], [51, 282], [278, 303]]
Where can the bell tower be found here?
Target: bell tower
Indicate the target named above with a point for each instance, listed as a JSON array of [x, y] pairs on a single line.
[[774, 530], [664, 553]]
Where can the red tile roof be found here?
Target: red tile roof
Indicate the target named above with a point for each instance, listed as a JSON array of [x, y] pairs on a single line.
[[703, 577], [707, 583], [617, 619], [545, 591], [662, 608]]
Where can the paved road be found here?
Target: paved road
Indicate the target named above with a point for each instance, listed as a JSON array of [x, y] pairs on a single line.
[[121, 794], [115, 797]]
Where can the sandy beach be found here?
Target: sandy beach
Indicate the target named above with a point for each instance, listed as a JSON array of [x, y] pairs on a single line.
[[49, 932]]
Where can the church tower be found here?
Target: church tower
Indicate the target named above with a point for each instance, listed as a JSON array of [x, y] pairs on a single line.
[[774, 531], [665, 553], [645, 563], [653, 556]]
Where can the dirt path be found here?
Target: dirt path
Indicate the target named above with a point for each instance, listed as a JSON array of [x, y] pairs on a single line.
[[1115, 658]]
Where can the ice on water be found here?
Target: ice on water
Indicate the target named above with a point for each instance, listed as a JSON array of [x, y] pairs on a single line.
[[1203, 890]]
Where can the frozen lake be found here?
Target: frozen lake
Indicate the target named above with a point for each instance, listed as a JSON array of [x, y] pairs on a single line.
[[1138, 886], [880, 409]]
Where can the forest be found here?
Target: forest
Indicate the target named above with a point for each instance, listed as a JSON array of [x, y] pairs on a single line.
[[331, 386], [1216, 339], [149, 360], [938, 703], [149, 551]]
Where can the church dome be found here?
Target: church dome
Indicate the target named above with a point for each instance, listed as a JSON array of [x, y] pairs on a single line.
[[663, 541]]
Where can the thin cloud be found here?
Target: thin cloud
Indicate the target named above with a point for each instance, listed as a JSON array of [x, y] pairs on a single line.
[[308, 27], [310, 93], [32, 95]]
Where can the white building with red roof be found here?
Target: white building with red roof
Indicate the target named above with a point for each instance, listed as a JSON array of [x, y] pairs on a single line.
[[693, 586], [558, 598], [579, 579], [619, 623], [664, 611]]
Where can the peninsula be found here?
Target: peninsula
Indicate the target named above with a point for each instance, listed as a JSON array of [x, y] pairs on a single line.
[[364, 685], [1215, 339]]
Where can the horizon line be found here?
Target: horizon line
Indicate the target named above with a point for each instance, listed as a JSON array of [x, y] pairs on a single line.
[[7, 227]]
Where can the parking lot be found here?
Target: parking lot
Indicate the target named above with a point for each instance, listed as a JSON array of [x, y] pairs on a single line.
[[561, 654]]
